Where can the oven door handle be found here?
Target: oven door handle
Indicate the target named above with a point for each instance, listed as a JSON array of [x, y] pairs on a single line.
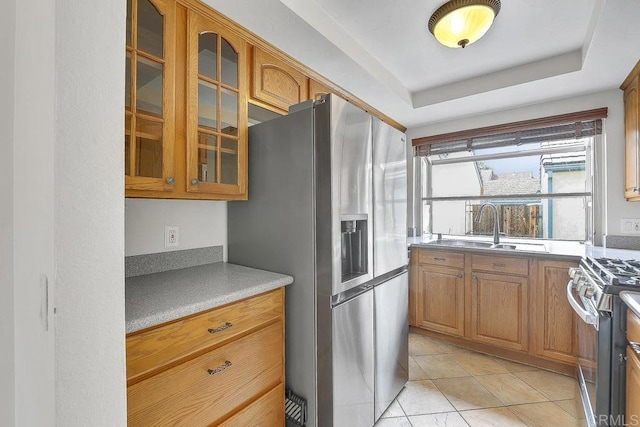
[[587, 317]]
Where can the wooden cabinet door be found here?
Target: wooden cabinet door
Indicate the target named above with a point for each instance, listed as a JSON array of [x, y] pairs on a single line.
[[275, 82], [632, 151], [499, 310], [555, 323], [440, 299], [633, 386], [149, 100], [216, 124]]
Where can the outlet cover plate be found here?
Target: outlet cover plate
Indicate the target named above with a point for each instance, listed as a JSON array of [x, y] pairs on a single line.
[[171, 236], [630, 226]]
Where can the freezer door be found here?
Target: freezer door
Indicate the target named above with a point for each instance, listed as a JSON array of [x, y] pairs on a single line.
[[389, 198], [353, 362], [391, 340]]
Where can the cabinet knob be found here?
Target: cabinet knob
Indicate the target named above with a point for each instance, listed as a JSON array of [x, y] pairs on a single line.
[[195, 181], [475, 277], [460, 276], [170, 180]]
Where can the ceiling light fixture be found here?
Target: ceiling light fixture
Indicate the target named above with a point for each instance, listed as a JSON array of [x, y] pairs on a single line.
[[459, 23]]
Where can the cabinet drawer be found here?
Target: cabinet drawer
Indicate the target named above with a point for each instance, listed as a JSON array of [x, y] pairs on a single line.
[[633, 327], [450, 259], [519, 266], [153, 350], [268, 410], [203, 390]]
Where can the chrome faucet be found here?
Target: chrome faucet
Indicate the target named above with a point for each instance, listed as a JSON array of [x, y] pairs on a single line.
[[496, 225]]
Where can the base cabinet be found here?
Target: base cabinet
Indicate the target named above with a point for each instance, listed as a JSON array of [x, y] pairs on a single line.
[[556, 322], [632, 403], [499, 310], [633, 385], [440, 302], [514, 306], [224, 366], [436, 291]]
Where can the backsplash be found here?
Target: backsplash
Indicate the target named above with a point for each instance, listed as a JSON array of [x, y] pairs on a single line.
[[622, 242], [137, 265]]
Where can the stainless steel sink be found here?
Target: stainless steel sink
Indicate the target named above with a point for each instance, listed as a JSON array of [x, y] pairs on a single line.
[[503, 246], [510, 246], [460, 243]]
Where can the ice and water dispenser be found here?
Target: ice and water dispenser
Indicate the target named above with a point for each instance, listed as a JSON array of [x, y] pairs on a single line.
[[354, 246]]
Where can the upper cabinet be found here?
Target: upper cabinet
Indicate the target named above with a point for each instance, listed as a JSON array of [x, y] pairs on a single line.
[[190, 75], [316, 90], [275, 82], [149, 100], [631, 130], [185, 104], [216, 109]]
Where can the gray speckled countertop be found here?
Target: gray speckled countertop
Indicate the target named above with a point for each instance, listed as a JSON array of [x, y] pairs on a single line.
[[152, 299], [554, 248], [632, 299]]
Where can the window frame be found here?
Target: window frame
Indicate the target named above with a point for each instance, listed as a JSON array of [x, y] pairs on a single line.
[[595, 159]]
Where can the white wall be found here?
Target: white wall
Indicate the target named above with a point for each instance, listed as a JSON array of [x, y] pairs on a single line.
[[89, 212], [202, 223], [7, 337], [27, 213], [616, 207]]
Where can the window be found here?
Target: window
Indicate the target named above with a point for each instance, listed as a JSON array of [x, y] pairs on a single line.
[[539, 177]]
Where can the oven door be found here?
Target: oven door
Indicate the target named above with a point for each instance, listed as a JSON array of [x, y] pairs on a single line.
[[587, 341]]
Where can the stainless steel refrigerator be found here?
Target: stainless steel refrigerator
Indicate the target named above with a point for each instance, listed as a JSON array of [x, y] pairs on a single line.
[[327, 205]]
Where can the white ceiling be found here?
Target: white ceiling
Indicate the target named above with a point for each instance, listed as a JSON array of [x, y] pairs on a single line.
[[382, 51]]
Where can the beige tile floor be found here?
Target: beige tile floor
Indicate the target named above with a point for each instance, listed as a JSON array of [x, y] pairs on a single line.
[[454, 387]]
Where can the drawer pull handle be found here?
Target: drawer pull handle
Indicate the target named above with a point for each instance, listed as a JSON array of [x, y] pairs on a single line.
[[439, 259], [495, 264], [635, 347], [226, 325], [219, 368]]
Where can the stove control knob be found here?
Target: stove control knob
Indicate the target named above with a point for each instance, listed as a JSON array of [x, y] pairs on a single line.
[[579, 284], [589, 291], [575, 275]]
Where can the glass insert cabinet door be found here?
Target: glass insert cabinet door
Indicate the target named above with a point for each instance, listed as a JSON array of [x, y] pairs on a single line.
[[216, 109], [149, 101]]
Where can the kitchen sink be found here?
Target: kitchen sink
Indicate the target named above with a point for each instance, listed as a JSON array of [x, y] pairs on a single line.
[[510, 246], [503, 246], [461, 243]]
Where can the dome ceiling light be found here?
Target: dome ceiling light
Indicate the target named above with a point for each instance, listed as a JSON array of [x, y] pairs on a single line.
[[459, 23]]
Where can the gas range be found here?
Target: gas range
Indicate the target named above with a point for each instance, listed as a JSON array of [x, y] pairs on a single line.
[[596, 279]]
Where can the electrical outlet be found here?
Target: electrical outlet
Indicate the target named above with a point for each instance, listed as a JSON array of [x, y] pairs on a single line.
[[171, 236], [630, 226]]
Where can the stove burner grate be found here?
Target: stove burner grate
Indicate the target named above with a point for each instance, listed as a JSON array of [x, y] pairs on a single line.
[[617, 272]]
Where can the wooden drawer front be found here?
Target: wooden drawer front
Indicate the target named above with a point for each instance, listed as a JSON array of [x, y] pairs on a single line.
[[633, 327], [203, 390], [268, 410], [153, 350], [450, 259], [519, 266]]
